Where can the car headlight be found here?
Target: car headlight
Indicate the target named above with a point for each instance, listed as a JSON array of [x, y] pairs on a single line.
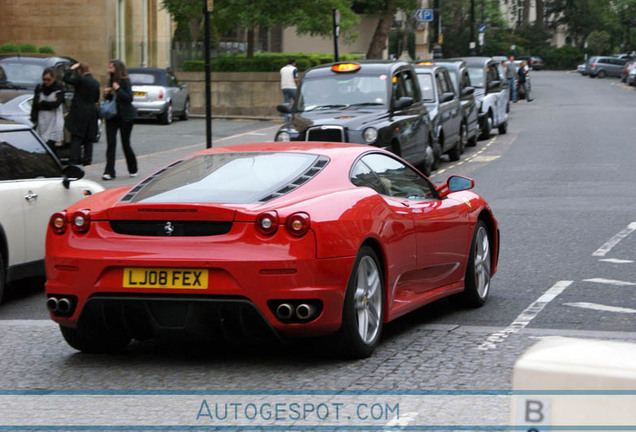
[[283, 136], [370, 135]]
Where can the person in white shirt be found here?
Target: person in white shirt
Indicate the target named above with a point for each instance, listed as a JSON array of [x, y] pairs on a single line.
[[289, 82]]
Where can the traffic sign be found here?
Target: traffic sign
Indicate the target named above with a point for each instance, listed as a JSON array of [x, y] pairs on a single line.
[[423, 15], [482, 28]]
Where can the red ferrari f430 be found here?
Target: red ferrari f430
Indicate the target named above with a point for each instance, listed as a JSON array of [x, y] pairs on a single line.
[[290, 239]]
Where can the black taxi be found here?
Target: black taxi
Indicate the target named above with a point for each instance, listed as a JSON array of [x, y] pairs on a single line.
[[366, 102]]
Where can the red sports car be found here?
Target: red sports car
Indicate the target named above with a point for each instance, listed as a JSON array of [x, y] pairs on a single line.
[[303, 239]]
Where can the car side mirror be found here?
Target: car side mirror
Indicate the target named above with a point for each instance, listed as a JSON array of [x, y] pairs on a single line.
[[467, 91], [71, 173], [493, 85], [448, 96], [455, 184], [284, 108], [403, 102]]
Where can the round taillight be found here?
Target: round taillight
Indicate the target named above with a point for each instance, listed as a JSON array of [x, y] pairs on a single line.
[[58, 223], [298, 224], [81, 221], [267, 223]]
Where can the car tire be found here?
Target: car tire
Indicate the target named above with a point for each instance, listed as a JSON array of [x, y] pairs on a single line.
[[2, 278], [463, 137], [601, 74], [426, 166], [485, 133], [93, 341], [363, 310], [503, 128], [472, 142], [167, 116], [455, 153], [185, 115], [477, 279]]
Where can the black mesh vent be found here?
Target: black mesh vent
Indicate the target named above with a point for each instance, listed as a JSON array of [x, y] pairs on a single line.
[[311, 172], [170, 228], [332, 134]]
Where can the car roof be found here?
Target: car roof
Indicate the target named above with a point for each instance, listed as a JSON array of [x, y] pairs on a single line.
[[478, 61], [36, 58], [147, 70], [431, 68], [366, 66]]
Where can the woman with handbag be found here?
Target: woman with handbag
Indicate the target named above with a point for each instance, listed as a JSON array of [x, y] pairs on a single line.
[[120, 89]]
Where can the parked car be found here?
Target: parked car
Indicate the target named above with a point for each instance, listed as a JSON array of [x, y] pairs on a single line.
[[23, 72], [490, 94], [299, 239], [604, 66], [534, 62], [625, 70], [33, 186], [366, 102], [581, 69], [16, 106], [157, 93], [631, 75], [444, 109], [464, 89]]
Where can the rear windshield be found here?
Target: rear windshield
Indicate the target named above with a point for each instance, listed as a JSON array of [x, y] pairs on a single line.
[[146, 78], [232, 178], [23, 74], [343, 91]]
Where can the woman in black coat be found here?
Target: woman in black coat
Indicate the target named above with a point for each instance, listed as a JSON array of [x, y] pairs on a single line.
[[119, 87]]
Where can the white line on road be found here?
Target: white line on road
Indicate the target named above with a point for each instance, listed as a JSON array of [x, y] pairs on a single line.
[[602, 308], [610, 282], [616, 261], [603, 250], [525, 317]]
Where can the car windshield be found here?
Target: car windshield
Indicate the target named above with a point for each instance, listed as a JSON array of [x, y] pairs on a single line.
[[426, 85], [232, 178], [22, 74], [477, 76], [342, 91]]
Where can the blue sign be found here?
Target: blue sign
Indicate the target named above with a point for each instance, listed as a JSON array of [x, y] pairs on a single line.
[[482, 28], [423, 15]]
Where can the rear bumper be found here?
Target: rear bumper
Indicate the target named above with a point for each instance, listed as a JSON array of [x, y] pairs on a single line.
[[151, 108]]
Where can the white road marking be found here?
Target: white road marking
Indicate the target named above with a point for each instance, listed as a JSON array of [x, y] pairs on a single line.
[[616, 260], [610, 282], [525, 317], [257, 134], [602, 308], [603, 250]]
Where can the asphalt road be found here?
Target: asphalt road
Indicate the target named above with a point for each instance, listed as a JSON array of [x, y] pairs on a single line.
[[561, 182]]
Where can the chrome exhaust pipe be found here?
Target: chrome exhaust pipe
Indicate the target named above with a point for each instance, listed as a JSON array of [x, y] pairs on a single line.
[[52, 304], [63, 305], [305, 311], [284, 311]]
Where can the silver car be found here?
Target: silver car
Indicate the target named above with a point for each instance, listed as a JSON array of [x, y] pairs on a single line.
[[604, 66], [157, 93]]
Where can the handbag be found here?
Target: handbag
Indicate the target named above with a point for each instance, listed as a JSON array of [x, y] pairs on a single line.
[[108, 109]]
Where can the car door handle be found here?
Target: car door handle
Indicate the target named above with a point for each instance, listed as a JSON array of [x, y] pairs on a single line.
[[30, 196]]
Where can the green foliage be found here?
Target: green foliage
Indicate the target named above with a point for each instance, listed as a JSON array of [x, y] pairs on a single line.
[[46, 50], [27, 48], [396, 40], [598, 42], [8, 48], [563, 58], [266, 62]]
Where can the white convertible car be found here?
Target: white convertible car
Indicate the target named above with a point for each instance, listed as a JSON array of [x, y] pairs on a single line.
[[33, 186]]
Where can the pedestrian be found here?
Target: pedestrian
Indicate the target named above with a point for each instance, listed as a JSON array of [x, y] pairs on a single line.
[[511, 77], [289, 82], [82, 119], [523, 80], [119, 87], [47, 110]]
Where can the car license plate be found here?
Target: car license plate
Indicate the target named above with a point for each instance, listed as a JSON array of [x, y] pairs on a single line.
[[181, 278], [140, 94]]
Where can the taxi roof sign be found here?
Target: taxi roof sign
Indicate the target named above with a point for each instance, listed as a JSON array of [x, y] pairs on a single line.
[[425, 63], [345, 67]]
